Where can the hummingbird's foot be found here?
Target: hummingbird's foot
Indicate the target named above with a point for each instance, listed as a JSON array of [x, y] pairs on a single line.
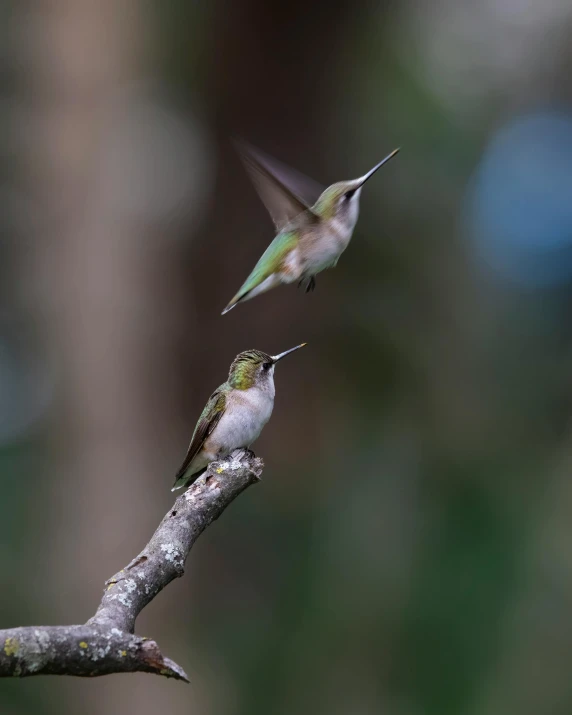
[[308, 284], [242, 452]]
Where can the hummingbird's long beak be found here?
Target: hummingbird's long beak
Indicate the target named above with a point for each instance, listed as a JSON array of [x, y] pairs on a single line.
[[275, 358], [371, 172]]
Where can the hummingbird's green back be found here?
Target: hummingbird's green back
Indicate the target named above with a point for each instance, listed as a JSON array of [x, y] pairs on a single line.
[[210, 416], [270, 262]]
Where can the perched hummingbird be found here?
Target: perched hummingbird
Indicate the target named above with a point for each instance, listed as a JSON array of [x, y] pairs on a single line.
[[235, 414], [310, 238]]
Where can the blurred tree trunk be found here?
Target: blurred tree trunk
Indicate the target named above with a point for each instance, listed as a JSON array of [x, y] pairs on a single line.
[[108, 300]]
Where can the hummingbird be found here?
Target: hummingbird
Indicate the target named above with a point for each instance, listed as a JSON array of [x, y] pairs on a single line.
[[311, 236], [234, 415]]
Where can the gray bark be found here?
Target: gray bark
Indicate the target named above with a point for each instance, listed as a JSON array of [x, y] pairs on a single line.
[[106, 643]]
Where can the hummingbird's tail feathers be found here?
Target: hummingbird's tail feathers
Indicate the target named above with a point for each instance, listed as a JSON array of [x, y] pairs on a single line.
[[183, 479], [229, 307], [238, 298], [254, 286], [179, 484], [243, 295], [268, 272], [186, 480]]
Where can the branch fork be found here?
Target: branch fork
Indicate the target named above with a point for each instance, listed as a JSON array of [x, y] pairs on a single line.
[[106, 643]]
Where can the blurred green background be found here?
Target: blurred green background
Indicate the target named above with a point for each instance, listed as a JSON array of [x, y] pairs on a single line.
[[409, 550]]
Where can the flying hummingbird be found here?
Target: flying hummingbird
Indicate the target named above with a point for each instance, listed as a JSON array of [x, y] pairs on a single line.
[[311, 237], [235, 414]]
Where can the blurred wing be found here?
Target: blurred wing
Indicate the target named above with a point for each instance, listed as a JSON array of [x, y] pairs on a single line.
[[285, 192], [208, 420]]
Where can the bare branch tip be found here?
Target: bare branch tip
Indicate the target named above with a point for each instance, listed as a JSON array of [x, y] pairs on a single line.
[[172, 670], [160, 665]]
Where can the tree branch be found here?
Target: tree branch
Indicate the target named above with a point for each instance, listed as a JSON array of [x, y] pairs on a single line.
[[106, 644]]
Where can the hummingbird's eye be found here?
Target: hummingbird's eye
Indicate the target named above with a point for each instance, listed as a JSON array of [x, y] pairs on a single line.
[[349, 194], [266, 365]]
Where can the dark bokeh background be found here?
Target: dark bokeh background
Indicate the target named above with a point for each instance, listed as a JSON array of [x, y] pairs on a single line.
[[409, 551]]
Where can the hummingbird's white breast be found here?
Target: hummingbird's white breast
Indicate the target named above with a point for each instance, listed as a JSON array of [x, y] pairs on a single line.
[[324, 246], [246, 413]]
